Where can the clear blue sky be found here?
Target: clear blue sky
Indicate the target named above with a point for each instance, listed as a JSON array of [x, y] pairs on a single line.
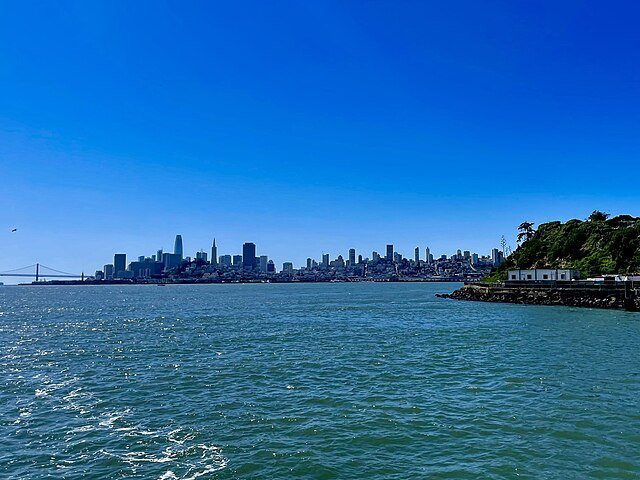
[[309, 126]]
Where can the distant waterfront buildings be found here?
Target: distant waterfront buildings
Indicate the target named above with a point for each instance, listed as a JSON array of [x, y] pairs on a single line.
[[497, 257], [461, 265], [177, 246], [263, 263], [249, 256], [119, 265], [171, 260], [214, 253], [108, 271]]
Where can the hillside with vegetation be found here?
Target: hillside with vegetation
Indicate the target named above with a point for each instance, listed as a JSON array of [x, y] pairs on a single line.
[[594, 246]]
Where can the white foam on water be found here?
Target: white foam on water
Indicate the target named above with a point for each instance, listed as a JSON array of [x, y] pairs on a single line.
[[168, 475]]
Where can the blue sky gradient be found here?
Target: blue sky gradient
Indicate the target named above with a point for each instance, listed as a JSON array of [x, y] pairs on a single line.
[[309, 127]]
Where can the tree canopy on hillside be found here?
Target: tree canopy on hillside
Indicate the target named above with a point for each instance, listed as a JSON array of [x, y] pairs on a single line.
[[597, 246]]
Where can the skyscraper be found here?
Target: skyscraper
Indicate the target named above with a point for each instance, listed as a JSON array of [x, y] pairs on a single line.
[[416, 256], [159, 255], [427, 255], [177, 246], [497, 257], [263, 263], [249, 256], [108, 271], [309, 263], [325, 260], [119, 264], [389, 252], [214, 254], [352, 256]]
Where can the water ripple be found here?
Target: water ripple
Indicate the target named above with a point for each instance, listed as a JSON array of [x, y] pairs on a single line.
[[379, 381]]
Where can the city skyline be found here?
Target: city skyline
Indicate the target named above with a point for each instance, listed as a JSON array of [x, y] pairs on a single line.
[[298, 260], [179, 267], [251, 266], [353, 254]]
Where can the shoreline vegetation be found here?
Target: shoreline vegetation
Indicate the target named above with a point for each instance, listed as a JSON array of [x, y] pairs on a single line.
[[597, 247]]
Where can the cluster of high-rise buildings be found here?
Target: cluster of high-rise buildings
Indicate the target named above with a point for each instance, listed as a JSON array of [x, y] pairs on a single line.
[[248, 265]]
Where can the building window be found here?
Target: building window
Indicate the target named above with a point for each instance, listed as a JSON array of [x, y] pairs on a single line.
[[529, 277], [513, 277], [545, 277], [562, 276]]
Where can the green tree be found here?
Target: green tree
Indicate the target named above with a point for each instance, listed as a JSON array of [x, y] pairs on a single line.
[[598, 216], [526, 231]]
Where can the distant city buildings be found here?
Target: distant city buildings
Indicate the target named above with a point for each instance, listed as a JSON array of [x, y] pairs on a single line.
[[497, 257], [177, 246], [214, 253], [108, 271], [176, 267], [249, 256], [119, 265]]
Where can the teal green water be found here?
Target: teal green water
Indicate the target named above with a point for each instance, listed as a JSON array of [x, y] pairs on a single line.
[[316, 381]]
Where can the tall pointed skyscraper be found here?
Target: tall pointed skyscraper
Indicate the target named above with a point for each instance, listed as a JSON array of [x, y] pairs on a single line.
[[214, 253], [177, 247]]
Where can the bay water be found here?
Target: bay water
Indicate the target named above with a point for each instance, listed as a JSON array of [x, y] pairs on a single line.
[[312, 381]]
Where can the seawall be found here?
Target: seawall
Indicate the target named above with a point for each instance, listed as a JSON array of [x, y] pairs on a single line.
[[618, 296]]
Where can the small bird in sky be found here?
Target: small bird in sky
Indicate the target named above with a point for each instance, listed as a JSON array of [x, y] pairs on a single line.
[[14, 230]]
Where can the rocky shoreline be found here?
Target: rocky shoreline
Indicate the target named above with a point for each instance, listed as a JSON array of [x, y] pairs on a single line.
[[610, 298]]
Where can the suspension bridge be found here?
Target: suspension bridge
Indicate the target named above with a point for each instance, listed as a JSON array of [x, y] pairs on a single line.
[[39, 271]]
